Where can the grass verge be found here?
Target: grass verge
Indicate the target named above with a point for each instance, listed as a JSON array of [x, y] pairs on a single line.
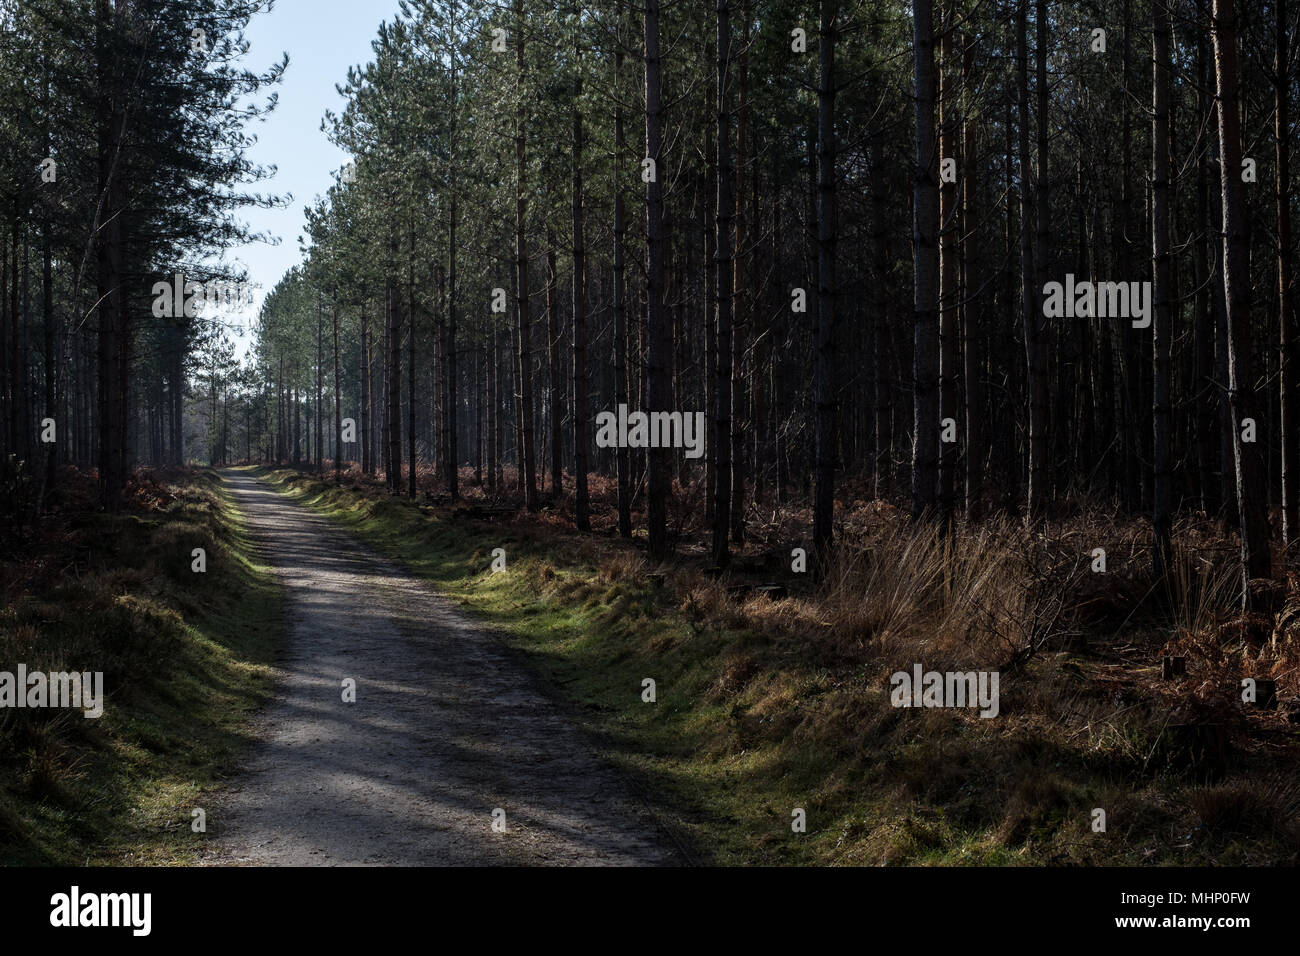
[[766, 707], [186, 658]]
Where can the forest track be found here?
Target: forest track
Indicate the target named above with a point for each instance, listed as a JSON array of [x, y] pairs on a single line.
[[447, 727]]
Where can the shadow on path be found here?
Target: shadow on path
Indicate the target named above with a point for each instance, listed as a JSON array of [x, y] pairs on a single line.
[[445, 729]]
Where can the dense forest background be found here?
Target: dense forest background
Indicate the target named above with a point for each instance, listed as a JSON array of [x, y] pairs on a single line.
[[830, 227]]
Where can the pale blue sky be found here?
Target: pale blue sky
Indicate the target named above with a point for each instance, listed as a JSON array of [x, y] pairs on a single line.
[[323, 38]]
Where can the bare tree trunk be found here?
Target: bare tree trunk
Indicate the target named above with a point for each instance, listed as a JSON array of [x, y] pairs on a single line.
[[925, 265], [1205, 390], [824, 335], [622, 456], [451, 460], [503, 385], [394, 378], [338, 400], [555, 335], [658, 364], [441, 396], [1039, 477], [1247, 456], [494, 403], [1287, 321], [527, 457], [582, 519], [518, 395], [410, 359], [883, 399], [949, 298], [279, 413], [1029, 295], [709, 225], [722, 304], [367, 459], [1162, 269], [742, 308], [479, 410], [970, 302], [320, 387], [47, 311], [111, 310]]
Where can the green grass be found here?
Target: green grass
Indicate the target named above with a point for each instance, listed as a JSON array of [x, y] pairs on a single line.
[[751, 723], [187, 658], [759, 712]]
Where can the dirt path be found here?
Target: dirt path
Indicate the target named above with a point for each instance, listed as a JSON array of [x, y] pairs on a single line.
[[446, 728]]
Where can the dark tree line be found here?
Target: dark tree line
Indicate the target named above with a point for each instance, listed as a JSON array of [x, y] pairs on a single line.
[[832, 229], [121, 163]]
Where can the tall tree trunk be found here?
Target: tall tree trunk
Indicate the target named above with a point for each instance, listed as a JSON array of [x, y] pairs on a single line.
[[708, 229], [451, 394], [338, 400], [925, 268], [394, 378], [320, 386], [1162, 269], [480, 409], [1205, 389], [1287, 320], [1039, 476], [722, 305], [367, 460], [1131, 366], [582, 519], [441, 395], [659, 357], [410, 359], [527, 457], [1247, 456], [494, 402], [451, 459], [47, 308], [742, 306], [110, 310], [949, 298], [883, 399], [970, 301], [824, 335], [280, 417], [555, 336], [1029, 295], [623, 461]]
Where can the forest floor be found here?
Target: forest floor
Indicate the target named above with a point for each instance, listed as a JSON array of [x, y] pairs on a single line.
[[443, 751], [771, 702], [186, 657], [503, 661]]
